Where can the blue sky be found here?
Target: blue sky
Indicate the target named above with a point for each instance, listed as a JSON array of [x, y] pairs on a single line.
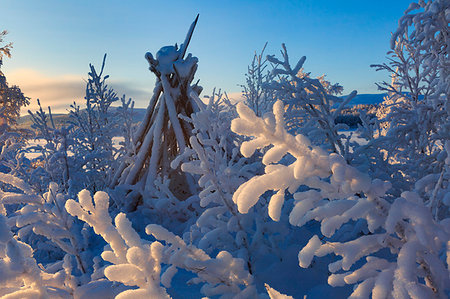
[[54, 41]]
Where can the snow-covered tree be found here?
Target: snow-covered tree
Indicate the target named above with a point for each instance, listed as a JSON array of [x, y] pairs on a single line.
[[125, 113], [415, 115], [256, 95], [215, 161], [405, 249], [79, 154], [52, 163], [424, 26], [311, 104], [93, 130], [11, 97], [411, 121], [5, 49]]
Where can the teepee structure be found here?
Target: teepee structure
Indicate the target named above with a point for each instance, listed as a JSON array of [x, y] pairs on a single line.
[[162, 134]]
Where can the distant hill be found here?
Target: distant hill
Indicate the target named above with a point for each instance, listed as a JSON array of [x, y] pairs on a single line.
[[367, 99], [25, 121]]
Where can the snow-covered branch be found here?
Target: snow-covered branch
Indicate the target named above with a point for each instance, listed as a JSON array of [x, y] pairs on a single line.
[[334, 193], [139, 263]]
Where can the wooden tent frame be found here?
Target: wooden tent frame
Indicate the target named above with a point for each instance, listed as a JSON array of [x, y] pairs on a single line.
[[162, 134]]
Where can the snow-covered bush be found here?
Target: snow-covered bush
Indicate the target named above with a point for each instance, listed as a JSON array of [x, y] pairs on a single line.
[[256, 96], [415, 116], [53, 163], [139, 263], [20, 274], [311, 104], [404, 246], [127, 149], [93, 130], [21, 277], [11, 153], [435, 189], [219, 167], [80, 154], [410, 119], [45, 216]]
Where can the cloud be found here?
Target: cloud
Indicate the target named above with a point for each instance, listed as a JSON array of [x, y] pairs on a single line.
[[59, 92], [140, 95]]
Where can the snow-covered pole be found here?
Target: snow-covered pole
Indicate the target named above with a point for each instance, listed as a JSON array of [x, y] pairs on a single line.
[[187, 40]]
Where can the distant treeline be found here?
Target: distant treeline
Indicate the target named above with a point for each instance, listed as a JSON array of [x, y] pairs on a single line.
[[350, 116]]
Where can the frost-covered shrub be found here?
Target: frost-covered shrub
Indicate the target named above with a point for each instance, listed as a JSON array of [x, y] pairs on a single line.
[[45, 216], [139, 263], [12, 143], [219, 167], [20, 274], [256, 96], [424, 26], [127, 149], [52, 163], [410, 119], [435, 188], [92, 132], [415, 116], [79, 154], [404, 248], [21, 277], [163, 202], [311, 104]]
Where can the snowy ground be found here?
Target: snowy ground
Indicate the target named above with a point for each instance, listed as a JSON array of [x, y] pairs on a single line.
[[354, 137]]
